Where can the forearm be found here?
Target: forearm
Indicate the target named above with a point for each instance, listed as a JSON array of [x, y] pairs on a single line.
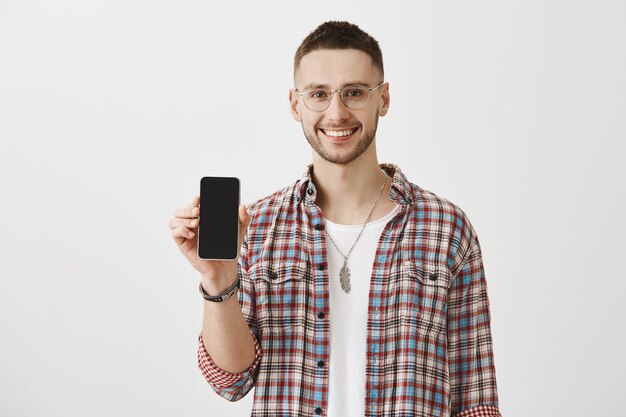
[[225, 333]]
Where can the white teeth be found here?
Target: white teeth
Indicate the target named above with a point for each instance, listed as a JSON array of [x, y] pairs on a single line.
[[338, 133]]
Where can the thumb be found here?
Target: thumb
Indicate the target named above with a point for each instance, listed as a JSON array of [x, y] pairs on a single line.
[[244, 217], [244, 221]]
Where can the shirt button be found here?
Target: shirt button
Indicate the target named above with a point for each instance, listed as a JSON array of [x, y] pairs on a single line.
[[318, 411], [432, 276], [318, 226], [309, 191], [273, 275], [320, 267], [320, 315], [320, 364]]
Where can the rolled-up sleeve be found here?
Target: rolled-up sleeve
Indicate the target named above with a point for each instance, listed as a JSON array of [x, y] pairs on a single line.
[[232, 386], [473, 388]]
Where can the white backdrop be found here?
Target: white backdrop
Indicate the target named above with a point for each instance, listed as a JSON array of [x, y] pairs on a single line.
[[111, 111]]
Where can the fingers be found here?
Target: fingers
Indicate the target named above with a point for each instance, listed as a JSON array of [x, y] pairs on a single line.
[[177, 222], [187, 212], [182, 232], [185, 221]]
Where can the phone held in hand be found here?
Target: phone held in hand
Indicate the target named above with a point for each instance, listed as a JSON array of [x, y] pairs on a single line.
[[218, 227]]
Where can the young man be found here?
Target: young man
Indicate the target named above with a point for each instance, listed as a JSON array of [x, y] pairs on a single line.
[[360, 292]]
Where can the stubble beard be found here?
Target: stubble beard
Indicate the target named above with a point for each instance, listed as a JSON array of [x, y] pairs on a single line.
[[364, 142]]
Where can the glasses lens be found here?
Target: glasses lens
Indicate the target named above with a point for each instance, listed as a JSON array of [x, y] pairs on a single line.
[[355, 96], [317, 100]]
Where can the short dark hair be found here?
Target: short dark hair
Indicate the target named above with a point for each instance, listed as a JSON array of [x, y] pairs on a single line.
[[340, 35]]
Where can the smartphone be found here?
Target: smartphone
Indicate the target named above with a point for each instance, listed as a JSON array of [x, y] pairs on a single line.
[[218, 226]]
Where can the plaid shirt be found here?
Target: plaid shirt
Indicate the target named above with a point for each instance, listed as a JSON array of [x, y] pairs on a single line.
[[429, 345]]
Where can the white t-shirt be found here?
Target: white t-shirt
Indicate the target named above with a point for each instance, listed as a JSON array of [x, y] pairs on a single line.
[[348, 313]]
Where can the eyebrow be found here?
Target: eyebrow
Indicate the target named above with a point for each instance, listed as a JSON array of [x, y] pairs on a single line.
[[313, 85]]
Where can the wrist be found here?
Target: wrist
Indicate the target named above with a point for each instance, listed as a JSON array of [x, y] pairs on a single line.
[[215, 286], [224, 295]]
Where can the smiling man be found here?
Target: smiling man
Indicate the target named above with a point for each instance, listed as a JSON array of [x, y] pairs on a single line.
[[359, 292]]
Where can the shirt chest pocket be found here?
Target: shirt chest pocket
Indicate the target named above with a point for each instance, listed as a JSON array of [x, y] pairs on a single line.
[[424, 287], [281, 291]]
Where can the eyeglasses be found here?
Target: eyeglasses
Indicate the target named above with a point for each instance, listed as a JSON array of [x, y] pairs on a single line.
[[353, 96]]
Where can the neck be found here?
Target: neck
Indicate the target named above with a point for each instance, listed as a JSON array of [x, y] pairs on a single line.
[[347, 193]]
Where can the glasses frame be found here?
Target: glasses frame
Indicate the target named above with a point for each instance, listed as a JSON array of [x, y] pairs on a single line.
[[332, 92]]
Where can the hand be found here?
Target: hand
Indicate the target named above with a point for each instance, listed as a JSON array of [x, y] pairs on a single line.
[[184, 227]]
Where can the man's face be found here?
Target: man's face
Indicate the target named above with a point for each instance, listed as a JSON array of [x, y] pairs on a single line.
[[335, 69]]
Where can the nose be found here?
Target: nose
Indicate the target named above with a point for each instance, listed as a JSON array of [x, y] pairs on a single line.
[[337, 110]]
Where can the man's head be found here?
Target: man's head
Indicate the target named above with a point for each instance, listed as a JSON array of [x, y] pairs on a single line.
[[334, 56]]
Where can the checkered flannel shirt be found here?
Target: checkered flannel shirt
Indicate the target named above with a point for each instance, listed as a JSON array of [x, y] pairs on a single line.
[[429, 344]]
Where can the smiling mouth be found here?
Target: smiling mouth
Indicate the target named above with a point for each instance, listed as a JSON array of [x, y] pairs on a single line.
[[339, 133]]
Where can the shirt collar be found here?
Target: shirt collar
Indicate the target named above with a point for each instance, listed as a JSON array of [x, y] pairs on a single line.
[[402, 191]]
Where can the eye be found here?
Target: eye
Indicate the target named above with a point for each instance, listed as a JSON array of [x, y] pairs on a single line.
[[318, 94], [354, 92]]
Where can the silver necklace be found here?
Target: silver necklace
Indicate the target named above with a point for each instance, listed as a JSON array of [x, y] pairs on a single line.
[[344, 274]]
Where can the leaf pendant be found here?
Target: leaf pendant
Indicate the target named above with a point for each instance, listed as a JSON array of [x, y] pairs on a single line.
[[344, 277]]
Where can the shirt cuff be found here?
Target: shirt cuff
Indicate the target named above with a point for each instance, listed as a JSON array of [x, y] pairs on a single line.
[[220, 378], [480, 411]]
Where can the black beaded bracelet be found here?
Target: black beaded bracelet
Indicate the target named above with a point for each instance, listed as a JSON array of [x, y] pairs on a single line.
[[228, 293]]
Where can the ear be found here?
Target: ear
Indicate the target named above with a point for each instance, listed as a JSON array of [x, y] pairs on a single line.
[[294, 103], [383, 106]]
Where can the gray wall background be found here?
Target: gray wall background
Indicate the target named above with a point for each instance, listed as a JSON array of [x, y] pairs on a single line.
[[111, 111]]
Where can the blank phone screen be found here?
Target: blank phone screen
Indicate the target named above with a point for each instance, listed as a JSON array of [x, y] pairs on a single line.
[[218, 230]]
